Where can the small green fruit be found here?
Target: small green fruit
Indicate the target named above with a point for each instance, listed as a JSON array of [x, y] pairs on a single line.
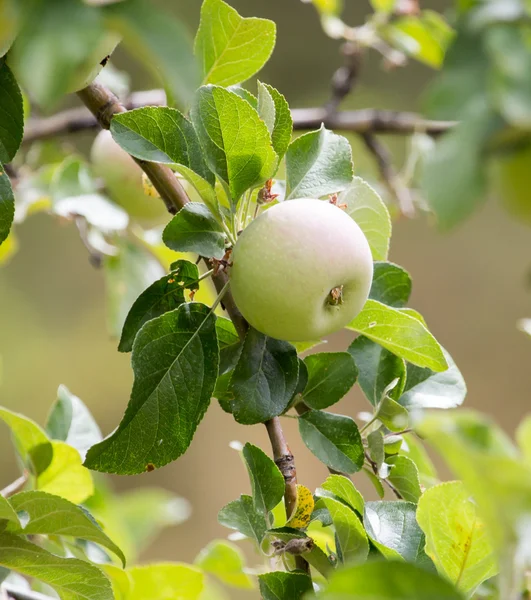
[[123, 181], [301, 270], [512, 173]]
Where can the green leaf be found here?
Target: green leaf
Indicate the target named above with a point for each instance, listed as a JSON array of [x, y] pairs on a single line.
[[393, 415], [175, 361], [484, 458], [457, 539], [70, 421], [453, 178], [350, 534], [279, 585], [226, 562], [12, 114], [400, 333], [393, 528], [236, 142], [71, 578], [231, 49], [391, 284], [413, 448], [241, 515], [334, 439], [343, 488], [523, 436], [194, 229], [160, 41], [58, 42], [127, 275], [388, 580], [163, 296], [404, 476], [30, 441], [375, 480], [377, 368], [274, 111], [7, 514], [366, 207], [229, 345], [7, 205], [164, 135], [330, 377], [266, 479], [66, 476], [385, 6], [318, 163], [427, 389], [165, 581], [264, 379], [53, 515]]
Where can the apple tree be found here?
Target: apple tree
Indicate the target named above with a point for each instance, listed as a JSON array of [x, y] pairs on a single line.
[[230, 248]]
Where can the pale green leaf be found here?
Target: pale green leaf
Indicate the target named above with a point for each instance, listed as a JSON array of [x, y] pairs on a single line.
[[404, 476], [165, 581], [226, 562]]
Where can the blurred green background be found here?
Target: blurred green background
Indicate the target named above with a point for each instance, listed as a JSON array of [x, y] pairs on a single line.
[[471, 285]]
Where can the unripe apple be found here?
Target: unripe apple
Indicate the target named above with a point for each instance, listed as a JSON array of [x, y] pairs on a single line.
[[123, 181], [301, 270], [512, 174]]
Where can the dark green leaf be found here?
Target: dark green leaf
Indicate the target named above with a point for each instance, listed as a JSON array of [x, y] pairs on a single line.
[[266, 479], [226, 562], [343, 488], [175, 361], [127, 275], [377, 368], [31, 443], [334, 439], [194, 229], [364, 205], [70, 421], [350, 534], [454, 176], [404, 476], [71, 578], [12, 114], [391, 284], [231, 49], [164, 295], [160, 41], [264, 379], [236, 142], [52, 515], [241, 515], [388, 580], [426, 389], [162, 134], [318, 163], [229, 344], [7, 205], [375, 442], [274, 110], [330, 377], [393, 528], [279, 585], [400, 333], [7, 514]]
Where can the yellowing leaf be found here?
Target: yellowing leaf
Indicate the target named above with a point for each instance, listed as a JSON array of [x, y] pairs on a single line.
[[303, 510]]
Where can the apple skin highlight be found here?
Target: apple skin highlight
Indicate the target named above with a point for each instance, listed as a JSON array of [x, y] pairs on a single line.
[[287, 262]]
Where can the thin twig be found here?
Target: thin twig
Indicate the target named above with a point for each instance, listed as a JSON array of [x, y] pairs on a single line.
[[357, 121], [374, 468], [104, 105], [391, 179], [16, 486]]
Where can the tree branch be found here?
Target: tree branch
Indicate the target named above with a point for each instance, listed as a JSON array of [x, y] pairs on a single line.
[[15, 487], [357, 121], [104, 105]]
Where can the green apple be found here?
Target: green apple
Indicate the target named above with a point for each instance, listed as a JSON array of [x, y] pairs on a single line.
[[512, 174], [301, 270], [123, 181]]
